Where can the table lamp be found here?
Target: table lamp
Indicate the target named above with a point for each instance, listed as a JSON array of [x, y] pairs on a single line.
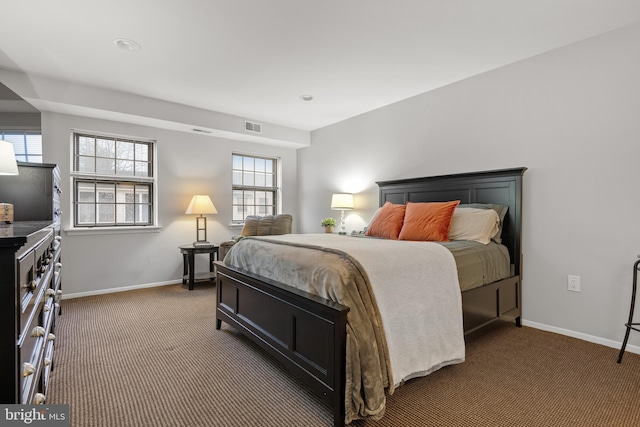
[[201, 205], [342, 202]]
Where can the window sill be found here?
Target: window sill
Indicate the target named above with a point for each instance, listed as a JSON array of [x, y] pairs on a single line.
[[113, 230]]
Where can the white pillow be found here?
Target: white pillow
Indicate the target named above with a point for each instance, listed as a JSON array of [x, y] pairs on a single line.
[[375, 214], [479, 225]]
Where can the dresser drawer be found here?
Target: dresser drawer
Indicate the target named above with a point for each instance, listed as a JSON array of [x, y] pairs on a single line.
[[48, 311], [57, 297], [31, 349], [27, 280], [44, 256], [48, 316], [48, 366], [35, 270]]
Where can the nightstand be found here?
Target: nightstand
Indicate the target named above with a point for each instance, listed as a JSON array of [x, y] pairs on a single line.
[[188, 258]]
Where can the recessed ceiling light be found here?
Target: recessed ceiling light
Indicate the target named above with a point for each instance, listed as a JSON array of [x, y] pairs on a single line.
[[306, 97], [126, 44]]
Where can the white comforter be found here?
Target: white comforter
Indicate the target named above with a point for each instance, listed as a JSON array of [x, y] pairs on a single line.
[[417, 293]]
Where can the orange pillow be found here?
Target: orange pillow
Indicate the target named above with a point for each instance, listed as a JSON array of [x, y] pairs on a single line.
[[388, 222], [428, 221]]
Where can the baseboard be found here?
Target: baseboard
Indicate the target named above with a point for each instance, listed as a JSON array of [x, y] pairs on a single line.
[[585, 337], [121, 289]]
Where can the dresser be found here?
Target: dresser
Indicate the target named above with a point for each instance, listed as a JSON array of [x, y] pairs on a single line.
[[34, 192], [30, 284]]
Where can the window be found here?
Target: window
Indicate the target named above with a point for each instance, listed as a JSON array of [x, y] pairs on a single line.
[[255, 186], [113, 181], [27, 144]]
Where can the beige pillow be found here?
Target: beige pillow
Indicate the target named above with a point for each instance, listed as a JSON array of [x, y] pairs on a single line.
[[264, 225], [479, 225], [500, 209], [267, 225], [250, 226], [281, 224]]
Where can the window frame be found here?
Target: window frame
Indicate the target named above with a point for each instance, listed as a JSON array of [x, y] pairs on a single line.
[[275, 189], [95, 178], [23, 154]]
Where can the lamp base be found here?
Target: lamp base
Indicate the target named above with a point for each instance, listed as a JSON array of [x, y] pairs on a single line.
[[201, 232]]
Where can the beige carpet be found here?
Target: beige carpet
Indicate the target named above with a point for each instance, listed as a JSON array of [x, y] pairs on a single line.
[[152, 357]]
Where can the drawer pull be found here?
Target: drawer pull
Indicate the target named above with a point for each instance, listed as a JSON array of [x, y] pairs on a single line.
[[58, 265], [50, 292], [38, 331], [32, 285], [58, 238], [56, 305], [51, 337], [46, 309], [59, 292], [28, 369], [47, 361], [38, 399]]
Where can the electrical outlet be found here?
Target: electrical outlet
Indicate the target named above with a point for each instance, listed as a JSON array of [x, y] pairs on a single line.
[[573, 283]]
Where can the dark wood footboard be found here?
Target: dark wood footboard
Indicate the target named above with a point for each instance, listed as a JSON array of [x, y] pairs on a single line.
[[304, 332], [308, 333]]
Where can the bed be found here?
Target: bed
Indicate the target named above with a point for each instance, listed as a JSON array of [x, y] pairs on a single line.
[[308, 334]]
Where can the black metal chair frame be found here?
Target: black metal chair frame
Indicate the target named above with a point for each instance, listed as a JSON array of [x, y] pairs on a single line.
[[630, 325]]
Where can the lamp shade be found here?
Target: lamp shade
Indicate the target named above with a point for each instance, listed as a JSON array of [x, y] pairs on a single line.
[[201, 205], [342, 201], [8, 165]]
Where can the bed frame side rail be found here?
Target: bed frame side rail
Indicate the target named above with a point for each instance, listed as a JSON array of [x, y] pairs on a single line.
[[501, 300]]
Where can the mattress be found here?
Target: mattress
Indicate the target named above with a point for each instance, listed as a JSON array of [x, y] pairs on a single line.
[[478, 264]]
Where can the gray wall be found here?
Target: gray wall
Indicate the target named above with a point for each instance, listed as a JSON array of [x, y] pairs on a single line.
[[571, 117], [188, 164]]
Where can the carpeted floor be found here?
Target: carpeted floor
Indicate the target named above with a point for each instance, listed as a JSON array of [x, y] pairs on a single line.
[[153, 357]]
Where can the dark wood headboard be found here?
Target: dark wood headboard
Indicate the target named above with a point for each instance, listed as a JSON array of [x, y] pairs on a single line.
[[500, 187]]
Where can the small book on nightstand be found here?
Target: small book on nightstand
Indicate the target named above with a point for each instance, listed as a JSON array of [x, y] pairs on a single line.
[[201, 244]]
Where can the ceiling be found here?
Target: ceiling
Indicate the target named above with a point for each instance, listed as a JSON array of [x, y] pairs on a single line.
[[255, 58], [10, 102]]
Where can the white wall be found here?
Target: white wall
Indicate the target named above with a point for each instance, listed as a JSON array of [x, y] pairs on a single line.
[[571, 116], [187, 164]]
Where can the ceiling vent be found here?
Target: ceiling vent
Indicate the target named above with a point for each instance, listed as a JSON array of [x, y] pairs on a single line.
[[252, 127]]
